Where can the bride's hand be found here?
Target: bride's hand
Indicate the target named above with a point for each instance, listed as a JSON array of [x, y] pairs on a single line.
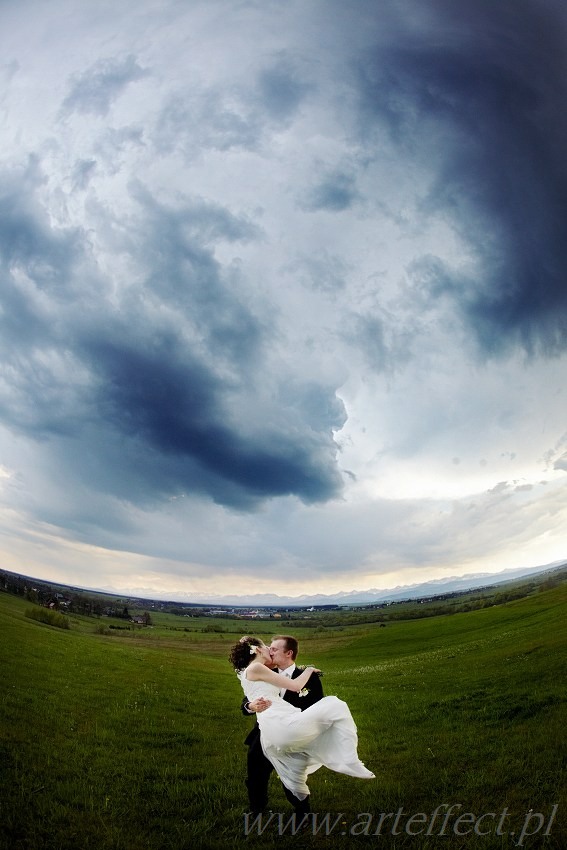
[[313, 669]]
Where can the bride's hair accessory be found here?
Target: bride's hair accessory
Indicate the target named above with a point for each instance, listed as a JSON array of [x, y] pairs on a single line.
[[247, 641], [243, 652]]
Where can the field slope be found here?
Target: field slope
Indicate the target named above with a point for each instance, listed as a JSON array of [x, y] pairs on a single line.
[[111, 741]]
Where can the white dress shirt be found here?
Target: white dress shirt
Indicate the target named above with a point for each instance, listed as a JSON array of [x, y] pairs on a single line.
[[289, 673]]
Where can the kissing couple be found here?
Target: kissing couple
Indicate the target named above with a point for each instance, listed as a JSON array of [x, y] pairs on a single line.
[[294, 742]]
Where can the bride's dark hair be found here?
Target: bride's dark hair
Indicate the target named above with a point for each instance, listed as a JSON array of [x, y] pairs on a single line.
[[240, 654]]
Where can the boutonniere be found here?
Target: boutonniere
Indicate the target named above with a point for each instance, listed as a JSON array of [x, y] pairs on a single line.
[[303, 692]]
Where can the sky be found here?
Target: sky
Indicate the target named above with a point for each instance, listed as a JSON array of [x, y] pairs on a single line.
[[283, 292]]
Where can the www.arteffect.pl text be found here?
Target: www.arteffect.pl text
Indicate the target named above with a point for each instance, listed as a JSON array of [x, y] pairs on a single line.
[[446, 819]]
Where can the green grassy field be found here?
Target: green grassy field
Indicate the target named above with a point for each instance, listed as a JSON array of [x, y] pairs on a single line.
[[121, 741]]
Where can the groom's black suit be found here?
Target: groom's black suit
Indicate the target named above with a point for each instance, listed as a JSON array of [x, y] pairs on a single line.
[[259, 767]]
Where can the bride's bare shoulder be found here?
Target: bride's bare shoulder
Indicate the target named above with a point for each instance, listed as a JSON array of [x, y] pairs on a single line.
[[255, 668]]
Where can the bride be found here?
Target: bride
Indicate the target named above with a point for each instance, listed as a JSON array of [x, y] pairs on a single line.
[[297, 742]]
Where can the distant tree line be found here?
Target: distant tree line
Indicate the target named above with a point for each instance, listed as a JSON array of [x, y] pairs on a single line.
[[78, 602], [71, 602]]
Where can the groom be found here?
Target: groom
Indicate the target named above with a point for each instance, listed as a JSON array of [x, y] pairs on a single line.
[[283, 650]]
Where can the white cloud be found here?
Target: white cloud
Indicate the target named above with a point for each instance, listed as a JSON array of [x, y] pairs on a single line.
[[269, 314]]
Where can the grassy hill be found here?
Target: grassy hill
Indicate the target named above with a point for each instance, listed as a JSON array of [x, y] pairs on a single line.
[[121, 741]]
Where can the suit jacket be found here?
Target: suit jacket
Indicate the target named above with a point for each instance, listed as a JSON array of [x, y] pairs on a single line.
[[315, 693], [313, 686]]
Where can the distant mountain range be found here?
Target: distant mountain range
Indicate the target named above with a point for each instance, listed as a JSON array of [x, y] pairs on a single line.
[[435, 587]]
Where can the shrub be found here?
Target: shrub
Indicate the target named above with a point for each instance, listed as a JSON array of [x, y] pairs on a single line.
[[47, 615]]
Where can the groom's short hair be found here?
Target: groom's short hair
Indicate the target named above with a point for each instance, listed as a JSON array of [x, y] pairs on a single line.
[[290, 644]]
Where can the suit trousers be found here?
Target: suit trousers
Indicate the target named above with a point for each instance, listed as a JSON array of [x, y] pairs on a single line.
[[259, 771]]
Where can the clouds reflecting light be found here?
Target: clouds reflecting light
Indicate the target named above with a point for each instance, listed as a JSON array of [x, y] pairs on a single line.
[[283, 294]]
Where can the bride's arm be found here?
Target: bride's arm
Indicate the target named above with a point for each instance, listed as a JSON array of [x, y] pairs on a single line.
[[257, 671]]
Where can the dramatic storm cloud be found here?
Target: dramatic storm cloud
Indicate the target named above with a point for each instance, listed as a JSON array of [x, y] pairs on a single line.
[[283, 294]]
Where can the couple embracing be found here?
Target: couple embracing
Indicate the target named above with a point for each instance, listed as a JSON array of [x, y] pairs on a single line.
[[298, 729]]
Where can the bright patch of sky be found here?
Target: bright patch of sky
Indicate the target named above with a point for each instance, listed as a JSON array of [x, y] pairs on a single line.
[[283, 295]]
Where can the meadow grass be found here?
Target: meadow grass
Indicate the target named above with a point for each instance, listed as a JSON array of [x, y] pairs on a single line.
[[128, 740]]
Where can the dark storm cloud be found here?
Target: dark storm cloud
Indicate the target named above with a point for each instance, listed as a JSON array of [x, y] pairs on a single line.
[[194, 120], [140, 385], [321, 271], [171, 404], [335, 192], [82, 173], [95, 90], [281, 89], [176, 245], [36, 263], [482, 104], [26, 239], [385, 343]]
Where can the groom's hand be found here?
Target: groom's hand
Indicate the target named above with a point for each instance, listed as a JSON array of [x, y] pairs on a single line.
[[259, 705]]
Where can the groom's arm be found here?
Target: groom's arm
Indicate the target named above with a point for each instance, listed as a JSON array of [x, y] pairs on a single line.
[[256, 706]]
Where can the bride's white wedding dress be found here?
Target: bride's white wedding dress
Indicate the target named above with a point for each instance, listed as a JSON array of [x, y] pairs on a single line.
[[300, 742]]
